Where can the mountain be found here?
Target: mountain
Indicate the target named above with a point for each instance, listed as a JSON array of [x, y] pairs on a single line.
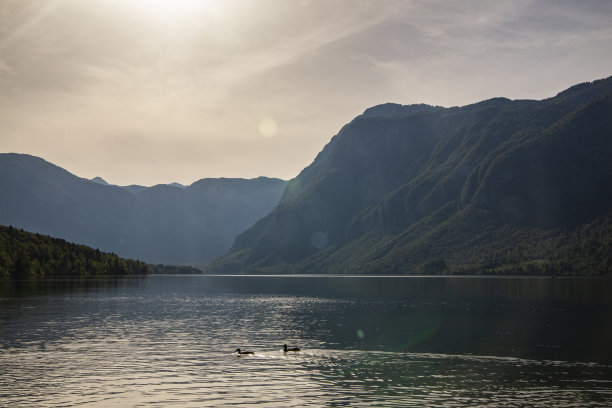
[[160, 224], [499, 186], [99, 180], [179, 185]]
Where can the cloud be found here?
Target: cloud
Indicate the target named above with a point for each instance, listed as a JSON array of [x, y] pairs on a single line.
[[4, 67], [19, 21], [100, 75]]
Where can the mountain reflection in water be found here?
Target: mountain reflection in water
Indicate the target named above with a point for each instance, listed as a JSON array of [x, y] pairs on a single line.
[[366, 341]]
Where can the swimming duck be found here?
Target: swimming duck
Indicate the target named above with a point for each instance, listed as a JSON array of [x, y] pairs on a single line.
[[285, 349], [243, 352]]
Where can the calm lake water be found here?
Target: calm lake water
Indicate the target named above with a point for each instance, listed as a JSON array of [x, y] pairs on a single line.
[[168, 341]]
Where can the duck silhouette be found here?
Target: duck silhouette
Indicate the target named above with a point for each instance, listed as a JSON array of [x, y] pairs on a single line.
[[286, 349], [243, 352]]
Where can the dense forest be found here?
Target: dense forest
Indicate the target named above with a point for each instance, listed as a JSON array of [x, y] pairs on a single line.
[[173, 269], [24, 255]]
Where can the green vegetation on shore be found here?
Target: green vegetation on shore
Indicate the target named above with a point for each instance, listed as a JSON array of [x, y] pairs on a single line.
[[24, 255], [174, 269]]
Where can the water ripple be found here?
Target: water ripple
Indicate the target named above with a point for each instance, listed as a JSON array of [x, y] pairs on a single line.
[[158, 349]]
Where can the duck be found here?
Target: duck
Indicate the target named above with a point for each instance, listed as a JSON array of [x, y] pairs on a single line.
[[286, 349], [243, 352]]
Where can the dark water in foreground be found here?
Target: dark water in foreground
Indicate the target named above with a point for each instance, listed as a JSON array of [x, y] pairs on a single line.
[[431, 342]]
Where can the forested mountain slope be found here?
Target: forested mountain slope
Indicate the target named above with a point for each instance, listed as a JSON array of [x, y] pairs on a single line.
[[500, 186], [24, 255]]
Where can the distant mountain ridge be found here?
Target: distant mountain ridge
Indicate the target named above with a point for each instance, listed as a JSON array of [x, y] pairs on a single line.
[[160, 224], [99, 180], [389, 110], [499, 186]]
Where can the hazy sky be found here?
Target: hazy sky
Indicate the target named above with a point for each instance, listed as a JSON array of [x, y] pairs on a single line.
[[155, 91]]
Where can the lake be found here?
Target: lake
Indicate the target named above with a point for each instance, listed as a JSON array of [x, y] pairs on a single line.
[[168, 341]]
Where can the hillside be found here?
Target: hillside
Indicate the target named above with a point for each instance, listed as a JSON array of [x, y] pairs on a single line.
[[160, 224], [24, 255], [500, 186]]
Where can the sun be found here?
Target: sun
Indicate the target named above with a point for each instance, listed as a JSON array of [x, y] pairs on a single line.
[[171, 10], [175, 6]]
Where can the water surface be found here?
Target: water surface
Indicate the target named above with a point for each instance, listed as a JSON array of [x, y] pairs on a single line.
[[367, 341]]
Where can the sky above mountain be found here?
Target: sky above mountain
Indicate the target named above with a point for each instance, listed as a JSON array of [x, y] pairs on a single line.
[[154, 91]]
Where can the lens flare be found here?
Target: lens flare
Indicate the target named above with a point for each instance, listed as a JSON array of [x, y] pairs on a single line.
[[268, 127]]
